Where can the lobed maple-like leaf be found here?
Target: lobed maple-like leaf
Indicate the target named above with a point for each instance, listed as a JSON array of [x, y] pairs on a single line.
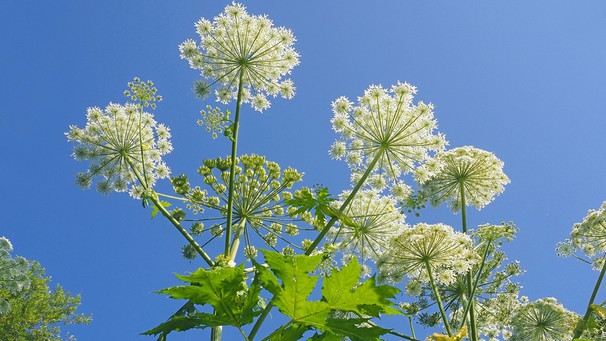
[[224, 289], [346, 304]]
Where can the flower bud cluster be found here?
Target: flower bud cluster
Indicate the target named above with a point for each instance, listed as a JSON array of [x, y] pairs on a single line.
[[260, 189]]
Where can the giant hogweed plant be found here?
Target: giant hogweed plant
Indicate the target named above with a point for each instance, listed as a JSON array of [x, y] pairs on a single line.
[[282, 243]]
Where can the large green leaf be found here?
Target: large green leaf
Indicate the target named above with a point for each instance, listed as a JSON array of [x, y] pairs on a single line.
[[367, 298], [345, 305], [177, 323], [224, 289]]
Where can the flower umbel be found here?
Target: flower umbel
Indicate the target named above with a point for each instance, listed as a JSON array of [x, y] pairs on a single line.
[[424, 247], [589, 237], [543, 320], [237, 47], [124, 145], [261, 189], [385, 123], [477, 172], [374, 220]]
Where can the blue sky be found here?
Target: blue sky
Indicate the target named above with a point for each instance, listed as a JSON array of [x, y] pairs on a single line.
[[524, 80]]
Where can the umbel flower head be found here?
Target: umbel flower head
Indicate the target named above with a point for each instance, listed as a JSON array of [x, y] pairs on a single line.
[[588, 236], [241, 49], [385, 124], [426, 250], [260, 191], [543, 320], [373, 221], [124, 145], [474, 172]]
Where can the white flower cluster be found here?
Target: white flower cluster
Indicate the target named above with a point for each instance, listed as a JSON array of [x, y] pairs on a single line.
[[238, 49], [124, 145], [428, 250], [474, 172], [588, 236], [387, 128], [373, 221], [543, 320]]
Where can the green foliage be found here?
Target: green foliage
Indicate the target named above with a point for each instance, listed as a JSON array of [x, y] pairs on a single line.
[[37, 312], [317, 199], [225, 289], [594, 326], [13, 278], [346, 305], [155, 209]]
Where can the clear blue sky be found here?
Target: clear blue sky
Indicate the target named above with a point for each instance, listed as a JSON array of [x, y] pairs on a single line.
[[525, 80]]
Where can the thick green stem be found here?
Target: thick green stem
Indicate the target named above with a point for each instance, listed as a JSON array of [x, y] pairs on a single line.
[[438, 299], [236, 242], [579, 331], [216, 333], [232, 170], [470, 290]]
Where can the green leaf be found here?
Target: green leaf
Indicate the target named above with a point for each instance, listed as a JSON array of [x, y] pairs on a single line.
[[335, 213], [342, 293], [155, 209], [598, 310], [177, 323], [224, 289], [366, 298], [308, 200], [293, 332]]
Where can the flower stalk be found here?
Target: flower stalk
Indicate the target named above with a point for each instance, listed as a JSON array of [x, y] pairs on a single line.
[[232, 173], [579, 331]]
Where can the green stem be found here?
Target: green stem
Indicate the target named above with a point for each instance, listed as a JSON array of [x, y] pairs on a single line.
[[475, 284], [236, 242], [154, 199], [183, 232], [232, 170], [579, 331], [144, 182], [438, 299], [216, 333], [393, 332], [470, 290], [346, 203]]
